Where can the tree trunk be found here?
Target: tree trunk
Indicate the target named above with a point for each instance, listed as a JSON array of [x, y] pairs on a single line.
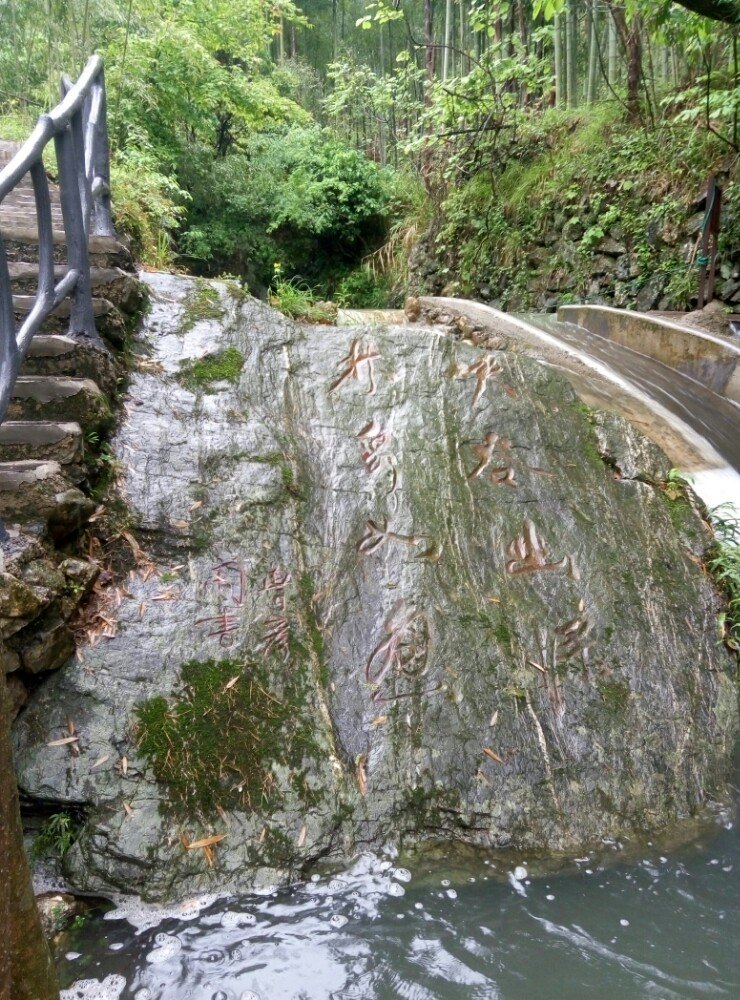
[[593, 54], [634, 66], [429, 39], [448, 40], [571, 52], [613, 63], [560, 86], [26, 968]]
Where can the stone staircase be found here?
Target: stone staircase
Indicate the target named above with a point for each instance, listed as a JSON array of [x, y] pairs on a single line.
[[63, 397]]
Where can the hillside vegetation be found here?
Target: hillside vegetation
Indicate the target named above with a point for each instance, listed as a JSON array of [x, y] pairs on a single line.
[[529, 152]]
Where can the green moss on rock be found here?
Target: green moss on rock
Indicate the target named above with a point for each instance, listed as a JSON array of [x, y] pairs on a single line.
[[202, 304], [223, 366], [216, 743], [615, 695]]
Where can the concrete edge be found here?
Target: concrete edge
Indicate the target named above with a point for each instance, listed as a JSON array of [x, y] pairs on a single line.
[[564, 313]]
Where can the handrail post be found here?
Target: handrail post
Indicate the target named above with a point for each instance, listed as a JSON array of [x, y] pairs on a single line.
[[82, 318], [9, 358], [102, 222]]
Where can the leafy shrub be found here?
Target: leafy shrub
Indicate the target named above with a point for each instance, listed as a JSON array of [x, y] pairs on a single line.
[[361, 289], [724, 562], [147, 205], [295, 196]]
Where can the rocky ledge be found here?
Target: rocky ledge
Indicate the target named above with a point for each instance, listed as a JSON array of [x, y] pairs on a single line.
[[389, 588]]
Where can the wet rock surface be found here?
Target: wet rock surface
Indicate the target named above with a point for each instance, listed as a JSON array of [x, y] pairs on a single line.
[[388, 590]]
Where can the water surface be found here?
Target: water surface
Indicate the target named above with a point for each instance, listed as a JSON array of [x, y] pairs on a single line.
[[612, 924]]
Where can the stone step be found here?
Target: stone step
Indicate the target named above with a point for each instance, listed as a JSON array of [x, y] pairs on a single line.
[[108, 320], [111, 283], [60, 354], [41, 441], [50, 398], [38, 491], [22, 242]]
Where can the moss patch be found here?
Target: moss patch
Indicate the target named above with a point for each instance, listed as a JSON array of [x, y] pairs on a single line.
[[223, 366], [615, 695], [215, 745], [202, 304]]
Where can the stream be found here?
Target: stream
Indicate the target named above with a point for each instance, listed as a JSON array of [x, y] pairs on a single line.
[[624, 922]]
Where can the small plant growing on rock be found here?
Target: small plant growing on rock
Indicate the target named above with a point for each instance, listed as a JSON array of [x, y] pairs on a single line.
[[56, 836], [724, 563]]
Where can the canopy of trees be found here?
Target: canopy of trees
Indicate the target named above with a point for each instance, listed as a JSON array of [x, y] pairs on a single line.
[[232, 121]]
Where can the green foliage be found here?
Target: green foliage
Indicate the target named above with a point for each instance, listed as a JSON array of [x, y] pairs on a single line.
[[202, 304], [216, 743], [147, 205], [581, 178], [362, 289], [723, 561], [331, 191], [56, 836], [297, 196]]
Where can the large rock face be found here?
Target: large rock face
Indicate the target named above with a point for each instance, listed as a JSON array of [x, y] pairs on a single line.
[[388, 590]]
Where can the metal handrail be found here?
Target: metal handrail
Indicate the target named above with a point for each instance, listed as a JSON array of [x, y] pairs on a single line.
[[78, 127]]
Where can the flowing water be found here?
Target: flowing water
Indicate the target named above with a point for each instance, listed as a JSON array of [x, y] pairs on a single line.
[[624, 922]]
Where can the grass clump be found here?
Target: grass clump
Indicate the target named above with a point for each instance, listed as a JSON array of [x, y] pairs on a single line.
[[724, 563], [295, 299], [222, 366], [215, 744]]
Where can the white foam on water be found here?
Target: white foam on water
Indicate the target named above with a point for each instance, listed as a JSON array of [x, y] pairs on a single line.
[[394, 889], [144, 916], [520, 873], [337, 920], [717, 486], [167, 946], [233, 918], [93, 989], [402, 874], [516, 885]]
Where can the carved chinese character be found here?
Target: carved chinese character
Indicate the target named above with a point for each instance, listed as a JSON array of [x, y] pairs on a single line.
[[573, 639], [275, 583], [276, 635], [485, 450], [227, 579], [528, 553], [482, 370], [359, 360], [226, 625], [378, 534], [404, 649], [375, 441]]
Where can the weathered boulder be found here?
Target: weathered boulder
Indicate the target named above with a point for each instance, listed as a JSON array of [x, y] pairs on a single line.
[[388, 590]]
